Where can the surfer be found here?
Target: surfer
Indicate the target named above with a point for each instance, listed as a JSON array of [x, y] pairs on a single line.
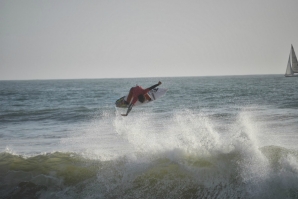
[[138, 93]]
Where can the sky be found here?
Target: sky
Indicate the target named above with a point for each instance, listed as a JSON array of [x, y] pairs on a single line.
[[63, 39]]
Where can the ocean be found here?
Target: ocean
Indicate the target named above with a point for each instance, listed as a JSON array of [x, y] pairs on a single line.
[[208, 137]]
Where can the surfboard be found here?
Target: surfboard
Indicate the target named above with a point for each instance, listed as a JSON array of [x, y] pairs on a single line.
[[154, 94]]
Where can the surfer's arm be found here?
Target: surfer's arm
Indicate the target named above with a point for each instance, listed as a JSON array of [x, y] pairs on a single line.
[[128, 110], [154, 86]]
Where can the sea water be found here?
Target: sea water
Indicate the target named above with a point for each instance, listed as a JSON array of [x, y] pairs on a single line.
[[208, 137]]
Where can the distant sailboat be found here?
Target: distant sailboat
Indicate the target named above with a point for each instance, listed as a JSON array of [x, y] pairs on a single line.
[[292, 67]]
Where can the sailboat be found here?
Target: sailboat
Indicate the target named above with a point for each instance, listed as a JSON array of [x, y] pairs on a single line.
[[292, 67]]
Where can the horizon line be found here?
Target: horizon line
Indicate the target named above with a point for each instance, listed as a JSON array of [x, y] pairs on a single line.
[[48, 79]]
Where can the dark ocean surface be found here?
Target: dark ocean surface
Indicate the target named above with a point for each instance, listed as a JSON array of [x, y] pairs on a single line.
[[208, 137]]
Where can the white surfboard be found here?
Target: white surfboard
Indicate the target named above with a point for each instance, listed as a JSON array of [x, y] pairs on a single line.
[[153, 94]]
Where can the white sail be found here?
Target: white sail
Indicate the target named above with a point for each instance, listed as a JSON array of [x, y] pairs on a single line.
[[292, 66], [289, 70], [294, 62]]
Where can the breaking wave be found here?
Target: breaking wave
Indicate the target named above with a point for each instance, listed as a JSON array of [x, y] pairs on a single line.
[[187, 159]]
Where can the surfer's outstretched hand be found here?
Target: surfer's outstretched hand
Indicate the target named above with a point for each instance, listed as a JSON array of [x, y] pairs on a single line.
[[159, 83]]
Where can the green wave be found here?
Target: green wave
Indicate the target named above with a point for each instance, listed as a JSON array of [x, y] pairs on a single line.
[[69, 166], [172, 174]]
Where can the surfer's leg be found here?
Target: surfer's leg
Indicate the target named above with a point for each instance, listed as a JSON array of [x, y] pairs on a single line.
[[128, 99]]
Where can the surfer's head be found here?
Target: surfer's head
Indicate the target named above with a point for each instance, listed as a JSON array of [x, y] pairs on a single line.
[[141, 98]]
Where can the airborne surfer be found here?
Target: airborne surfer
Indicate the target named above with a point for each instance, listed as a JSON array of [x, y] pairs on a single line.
[[138, 93]]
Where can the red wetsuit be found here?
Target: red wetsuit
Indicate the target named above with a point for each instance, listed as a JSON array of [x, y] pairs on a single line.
[[134, 95], [135, 92]]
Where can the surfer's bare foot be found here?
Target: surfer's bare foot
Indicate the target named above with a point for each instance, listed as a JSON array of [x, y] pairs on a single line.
[[124, 114]]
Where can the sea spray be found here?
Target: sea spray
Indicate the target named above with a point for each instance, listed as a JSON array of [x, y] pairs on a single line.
[[253, 164]]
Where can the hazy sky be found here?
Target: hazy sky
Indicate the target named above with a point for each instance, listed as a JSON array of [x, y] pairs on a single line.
[[54, 39]]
